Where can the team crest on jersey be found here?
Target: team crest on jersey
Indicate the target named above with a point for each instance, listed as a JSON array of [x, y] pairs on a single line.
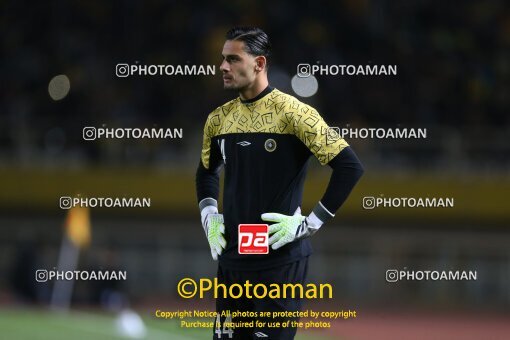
[[270, 145]]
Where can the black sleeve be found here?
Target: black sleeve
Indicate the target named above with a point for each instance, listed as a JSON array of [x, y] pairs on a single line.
[[347, 170], [207, 182]]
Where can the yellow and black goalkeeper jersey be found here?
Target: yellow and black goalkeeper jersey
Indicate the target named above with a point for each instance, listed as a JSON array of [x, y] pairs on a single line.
[[264, 145]]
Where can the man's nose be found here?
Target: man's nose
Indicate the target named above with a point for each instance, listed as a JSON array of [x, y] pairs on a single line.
[[224, 66]]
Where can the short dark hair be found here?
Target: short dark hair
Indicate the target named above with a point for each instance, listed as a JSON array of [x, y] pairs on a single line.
[[255, 40]]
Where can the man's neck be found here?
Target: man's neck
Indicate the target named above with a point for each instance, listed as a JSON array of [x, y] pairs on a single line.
[[254, 90]]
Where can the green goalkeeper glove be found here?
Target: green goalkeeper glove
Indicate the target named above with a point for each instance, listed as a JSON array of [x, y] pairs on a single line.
[[214, 228], [290, 228]]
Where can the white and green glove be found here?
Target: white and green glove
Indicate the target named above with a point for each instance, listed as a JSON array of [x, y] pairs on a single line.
[[214, 228], [290, 228]]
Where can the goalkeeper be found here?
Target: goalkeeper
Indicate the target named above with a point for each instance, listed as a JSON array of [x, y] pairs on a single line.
[[263, 139]]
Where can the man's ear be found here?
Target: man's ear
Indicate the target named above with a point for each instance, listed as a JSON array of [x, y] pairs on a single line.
[[260, 63]]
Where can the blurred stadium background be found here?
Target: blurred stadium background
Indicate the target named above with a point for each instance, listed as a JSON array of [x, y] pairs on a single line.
[[453, 79]]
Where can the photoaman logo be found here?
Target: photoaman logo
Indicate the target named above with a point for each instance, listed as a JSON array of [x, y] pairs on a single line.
[[253, 239]]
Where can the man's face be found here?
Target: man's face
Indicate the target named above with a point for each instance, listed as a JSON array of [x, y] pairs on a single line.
[[238, 67]]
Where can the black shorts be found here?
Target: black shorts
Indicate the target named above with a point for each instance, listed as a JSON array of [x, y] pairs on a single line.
[[294, 272]]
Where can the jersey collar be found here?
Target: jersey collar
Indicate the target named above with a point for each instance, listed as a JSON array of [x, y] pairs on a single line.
[[266, 91]]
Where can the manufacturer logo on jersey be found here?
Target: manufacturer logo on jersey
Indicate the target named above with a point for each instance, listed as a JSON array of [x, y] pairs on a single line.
[[270, 145], [244, 143], [253, 239], [261, 335]]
